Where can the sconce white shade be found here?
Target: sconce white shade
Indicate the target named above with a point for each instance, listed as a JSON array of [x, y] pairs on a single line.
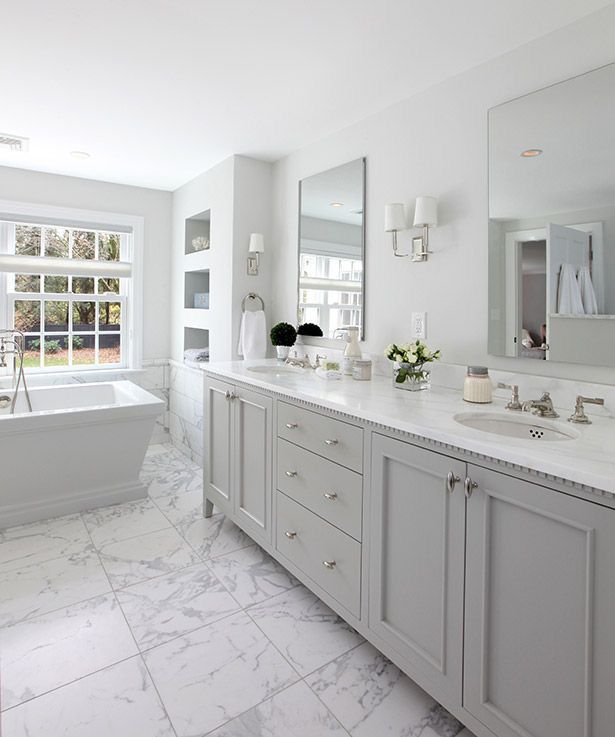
[[257, 243], [394, 217], [426, 211]]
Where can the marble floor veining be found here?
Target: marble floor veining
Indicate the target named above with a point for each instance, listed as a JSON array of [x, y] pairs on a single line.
[[147, 620]]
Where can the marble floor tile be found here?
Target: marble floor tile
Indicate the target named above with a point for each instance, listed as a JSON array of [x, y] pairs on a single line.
[[54, 649], [304, 629], [294, 712], [50, 585], [252, 575], [40, 541], [178, 508], [147, 556], [170, 472], [119, 701], [369, 695], [216, 673], [162, 608], [214, 536], [122, 521]]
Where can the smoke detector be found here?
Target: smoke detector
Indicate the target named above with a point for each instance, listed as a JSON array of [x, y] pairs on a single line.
[[13, 143]]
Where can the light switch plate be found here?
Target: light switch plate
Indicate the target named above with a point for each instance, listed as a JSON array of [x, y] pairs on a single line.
[[419, 329]]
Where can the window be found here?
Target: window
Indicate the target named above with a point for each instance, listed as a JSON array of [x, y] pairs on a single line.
[[70, 290], [330, 291]]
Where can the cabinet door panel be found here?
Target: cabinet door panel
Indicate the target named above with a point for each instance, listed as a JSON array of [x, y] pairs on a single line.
[[253, 460], [218, 441], [540, 611], [417, 558]]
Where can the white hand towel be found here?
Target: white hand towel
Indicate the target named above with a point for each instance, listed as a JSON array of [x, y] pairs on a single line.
[[253, 335], [588, 295], [569, 300]]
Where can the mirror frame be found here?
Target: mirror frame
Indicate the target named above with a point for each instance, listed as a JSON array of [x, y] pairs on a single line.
[[324, 341]]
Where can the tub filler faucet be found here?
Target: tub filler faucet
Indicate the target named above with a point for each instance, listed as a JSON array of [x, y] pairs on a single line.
[[12, 343]]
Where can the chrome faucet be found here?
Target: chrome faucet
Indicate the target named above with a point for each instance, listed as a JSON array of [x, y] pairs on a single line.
[[12, 342], [542, 407], [579, 416], [514, 403]]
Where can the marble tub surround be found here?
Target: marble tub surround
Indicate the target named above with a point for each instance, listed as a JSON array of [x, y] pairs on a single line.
[[587, 460], [186, 409], [221, 642]]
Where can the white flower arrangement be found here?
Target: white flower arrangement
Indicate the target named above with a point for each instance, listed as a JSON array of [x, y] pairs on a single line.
[[411, 357]]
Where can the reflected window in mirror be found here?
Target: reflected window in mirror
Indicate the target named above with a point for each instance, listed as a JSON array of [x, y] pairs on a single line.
[[332, 248], [552, 223]]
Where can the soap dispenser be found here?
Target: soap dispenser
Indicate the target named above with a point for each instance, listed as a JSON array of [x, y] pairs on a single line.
[[352, 351]]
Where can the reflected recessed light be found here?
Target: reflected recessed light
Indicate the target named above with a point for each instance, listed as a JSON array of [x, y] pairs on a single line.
[[336, 204], [80, 154], [530, 153]]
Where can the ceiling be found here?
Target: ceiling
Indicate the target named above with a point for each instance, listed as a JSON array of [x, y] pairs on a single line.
[[158, 91]]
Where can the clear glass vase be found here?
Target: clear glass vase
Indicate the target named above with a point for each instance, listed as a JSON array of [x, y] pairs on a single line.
[[411, 377]]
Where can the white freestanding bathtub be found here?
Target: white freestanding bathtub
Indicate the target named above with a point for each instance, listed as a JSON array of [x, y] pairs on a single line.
[[82, 446]]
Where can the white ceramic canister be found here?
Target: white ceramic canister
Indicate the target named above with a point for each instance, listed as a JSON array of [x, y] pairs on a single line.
[[362, 369], [477, 385]]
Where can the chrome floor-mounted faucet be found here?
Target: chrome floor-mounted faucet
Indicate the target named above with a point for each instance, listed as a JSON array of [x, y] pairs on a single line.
[[12, 343]]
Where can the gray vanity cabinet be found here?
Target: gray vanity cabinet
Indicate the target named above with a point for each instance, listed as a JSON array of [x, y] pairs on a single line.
[[238, 443], [416, 574], [540, 610]]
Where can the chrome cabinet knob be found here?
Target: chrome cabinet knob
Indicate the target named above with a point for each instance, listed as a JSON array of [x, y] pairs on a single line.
[[469, 487], [290, 534], [330, 564], [292, 425], [330, 495], [331, 442], [291, 474], [227, 395], [451, 480]]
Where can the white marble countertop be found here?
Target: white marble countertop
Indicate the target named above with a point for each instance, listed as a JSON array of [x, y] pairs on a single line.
[[588, 459]]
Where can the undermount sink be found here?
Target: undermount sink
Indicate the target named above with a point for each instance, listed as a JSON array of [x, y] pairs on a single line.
[[280, 370], [516, 426]]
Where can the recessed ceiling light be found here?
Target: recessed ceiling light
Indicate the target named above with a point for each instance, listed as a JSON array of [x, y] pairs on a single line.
[[80, 154], [530, 153], [336, 204]]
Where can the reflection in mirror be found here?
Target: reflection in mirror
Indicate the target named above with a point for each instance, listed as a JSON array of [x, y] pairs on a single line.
[[552, 223], [332, 249]]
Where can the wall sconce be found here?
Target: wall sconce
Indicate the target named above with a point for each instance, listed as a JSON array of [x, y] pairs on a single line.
[[425, 216], [257, 246]]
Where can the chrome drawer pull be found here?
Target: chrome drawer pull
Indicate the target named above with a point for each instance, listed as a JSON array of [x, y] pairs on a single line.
[[291, 474], [331, 496], [451, 480], [330, 564], [331, 442], [292, 425], [469, 487], [290, 535]]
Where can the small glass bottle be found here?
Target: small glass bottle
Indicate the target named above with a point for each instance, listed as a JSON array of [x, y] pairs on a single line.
[[352, 352], [477, 385]]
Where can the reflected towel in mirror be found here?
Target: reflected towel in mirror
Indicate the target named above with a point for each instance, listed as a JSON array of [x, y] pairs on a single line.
[[569, 300], [588, 295]]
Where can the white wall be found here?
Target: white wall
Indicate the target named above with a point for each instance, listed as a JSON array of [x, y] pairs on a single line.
[[153, 205], [436, 144]]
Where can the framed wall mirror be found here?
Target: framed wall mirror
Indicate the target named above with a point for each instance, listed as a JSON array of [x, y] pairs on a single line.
[[552, 223], [331, 269]]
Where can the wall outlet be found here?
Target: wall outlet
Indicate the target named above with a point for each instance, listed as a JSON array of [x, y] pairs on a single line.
[[419, 329]]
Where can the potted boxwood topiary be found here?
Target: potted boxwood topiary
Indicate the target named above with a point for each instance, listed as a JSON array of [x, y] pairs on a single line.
[[283, 335], [309, 328]]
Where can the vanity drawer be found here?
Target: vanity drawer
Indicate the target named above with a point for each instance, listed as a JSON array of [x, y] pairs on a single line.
[[328, 489], [333, 439], [309, 542]]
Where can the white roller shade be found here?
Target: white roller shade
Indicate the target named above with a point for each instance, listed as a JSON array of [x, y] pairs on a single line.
[[338, 285], [63, 266]]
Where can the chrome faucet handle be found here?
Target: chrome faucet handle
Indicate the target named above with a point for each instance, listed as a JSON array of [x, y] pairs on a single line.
[[318, 360], [579, 416], [514, 403]]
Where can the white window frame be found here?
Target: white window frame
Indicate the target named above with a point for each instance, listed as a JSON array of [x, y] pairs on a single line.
[[131, 297]]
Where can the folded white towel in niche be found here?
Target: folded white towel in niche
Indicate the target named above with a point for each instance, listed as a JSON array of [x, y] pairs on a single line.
[[196, 354], [569, 300], [588, 295], [253, 335]]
